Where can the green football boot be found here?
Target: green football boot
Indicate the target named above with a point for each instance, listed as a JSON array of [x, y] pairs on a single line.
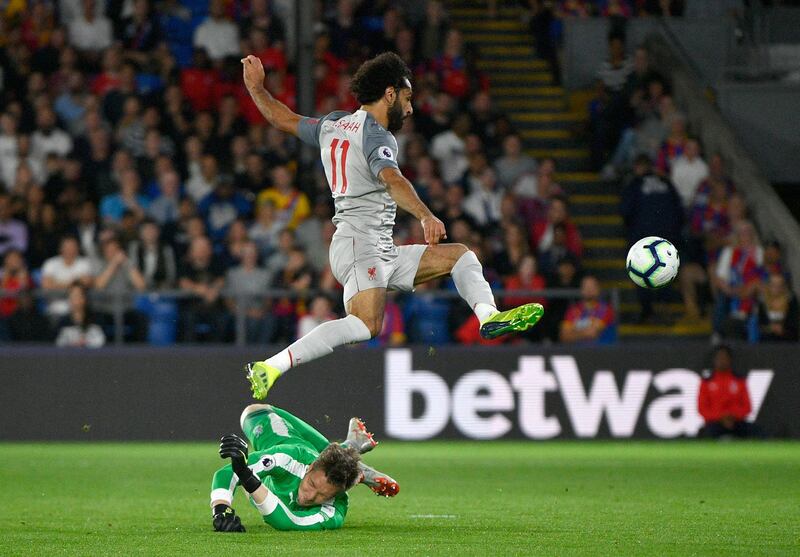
[[261, 377], [515, 320]]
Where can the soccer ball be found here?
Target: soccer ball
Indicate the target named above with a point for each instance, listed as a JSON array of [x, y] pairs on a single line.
[[653, 262]]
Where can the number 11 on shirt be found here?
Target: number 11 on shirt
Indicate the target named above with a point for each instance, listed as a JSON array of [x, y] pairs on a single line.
[[345, 145]]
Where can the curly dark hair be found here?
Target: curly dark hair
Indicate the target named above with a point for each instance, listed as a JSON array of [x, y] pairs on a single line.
[[375, 75], [340, 465]]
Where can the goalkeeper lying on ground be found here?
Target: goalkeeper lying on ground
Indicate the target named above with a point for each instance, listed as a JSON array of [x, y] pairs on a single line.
[[295, 477]]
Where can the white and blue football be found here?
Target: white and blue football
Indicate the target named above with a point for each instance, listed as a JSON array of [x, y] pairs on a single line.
[[653, 262]]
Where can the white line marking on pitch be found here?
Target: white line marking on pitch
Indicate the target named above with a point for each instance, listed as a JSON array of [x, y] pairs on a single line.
[[434, 516]]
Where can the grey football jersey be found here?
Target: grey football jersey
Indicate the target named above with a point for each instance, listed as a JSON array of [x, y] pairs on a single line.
[[354, 148]]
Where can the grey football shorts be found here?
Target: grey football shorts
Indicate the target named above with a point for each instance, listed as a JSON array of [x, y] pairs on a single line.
[[358, 265]]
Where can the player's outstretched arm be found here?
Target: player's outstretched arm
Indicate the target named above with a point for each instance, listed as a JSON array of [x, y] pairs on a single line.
[[224, 517], [403, 193], [273, 110]]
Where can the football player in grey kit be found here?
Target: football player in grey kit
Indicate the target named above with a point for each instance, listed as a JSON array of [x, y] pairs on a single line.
[[359, 154]]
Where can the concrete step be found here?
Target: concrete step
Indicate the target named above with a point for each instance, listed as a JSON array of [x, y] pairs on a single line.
[[507, 52], [596, 264], [701, 329], [603, 275], [605, 243], [598, 220], [548, 135], [578, 188], [566, 159], [514, 105], [499, 90], [473, 13], [602, 247], [589, 183], [482, 39], [588, 188], [524, 83], [575, 177], [603, 253], [595, 230], [595, 199], [490, 25], [559, 153], [588, 209], [550, 139], [542, 118], [544, 143], [523, 121], [515, 64], [620, 283]]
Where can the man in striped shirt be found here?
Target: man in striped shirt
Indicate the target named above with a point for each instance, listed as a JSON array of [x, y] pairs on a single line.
[[295, 478]]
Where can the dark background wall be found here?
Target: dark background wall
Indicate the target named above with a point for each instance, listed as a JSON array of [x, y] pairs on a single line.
[[199, 392]]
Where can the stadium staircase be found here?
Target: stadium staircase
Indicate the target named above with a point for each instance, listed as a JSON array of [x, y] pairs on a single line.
[[549, 120]]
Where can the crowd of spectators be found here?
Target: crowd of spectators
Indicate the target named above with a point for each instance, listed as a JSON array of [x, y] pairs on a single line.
[[133, 160], [675, 190]]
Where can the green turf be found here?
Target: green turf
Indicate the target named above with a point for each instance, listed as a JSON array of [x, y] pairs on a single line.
[[456, 498]]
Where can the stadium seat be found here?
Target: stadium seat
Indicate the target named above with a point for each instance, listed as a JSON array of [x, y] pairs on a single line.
[[182, 53], [162, 313], [197, 7], [177, 30]]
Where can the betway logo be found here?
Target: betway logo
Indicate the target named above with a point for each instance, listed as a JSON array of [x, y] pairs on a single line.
[[480, 400]]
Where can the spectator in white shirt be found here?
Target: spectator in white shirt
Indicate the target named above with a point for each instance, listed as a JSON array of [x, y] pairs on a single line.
[[8, 140], [614, 72], [321, 311], [48, 138], [483, 205], [217, 35], [68, 10], [78, 328], [688, 171], [450, 150], [91, 31], [202, 184], [59, 272], [23, 155]]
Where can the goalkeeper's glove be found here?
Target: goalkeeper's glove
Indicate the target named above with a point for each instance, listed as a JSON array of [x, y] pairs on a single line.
[[235, 448], [225, 519]]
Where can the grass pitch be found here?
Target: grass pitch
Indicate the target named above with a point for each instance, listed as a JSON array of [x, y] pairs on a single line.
[[456, 498]]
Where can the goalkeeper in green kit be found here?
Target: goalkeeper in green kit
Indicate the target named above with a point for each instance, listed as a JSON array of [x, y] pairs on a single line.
[[295, 477]]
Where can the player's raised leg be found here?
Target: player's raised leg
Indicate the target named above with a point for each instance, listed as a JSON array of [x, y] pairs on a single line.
[[364, 321], [382, 484], [363, 441], [358, 437], [462, 264]]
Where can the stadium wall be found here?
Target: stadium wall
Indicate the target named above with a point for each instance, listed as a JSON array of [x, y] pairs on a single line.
[[706, 39], [197, 393], [766, 119]]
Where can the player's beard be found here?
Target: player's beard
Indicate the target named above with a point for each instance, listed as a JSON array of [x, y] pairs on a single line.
[[395, 115]]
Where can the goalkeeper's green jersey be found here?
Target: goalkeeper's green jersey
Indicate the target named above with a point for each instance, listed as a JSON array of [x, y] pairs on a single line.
[[285, 447]]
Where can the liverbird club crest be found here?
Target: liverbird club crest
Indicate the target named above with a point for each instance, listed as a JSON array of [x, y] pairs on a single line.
[[371, 273]]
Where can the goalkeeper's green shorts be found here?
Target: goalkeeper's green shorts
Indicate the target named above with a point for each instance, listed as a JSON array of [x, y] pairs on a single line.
[[274, 426]]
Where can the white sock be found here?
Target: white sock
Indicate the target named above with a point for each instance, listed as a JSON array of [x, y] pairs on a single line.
[[484, 311], [320, 342], [282, 360], [467, 275]]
